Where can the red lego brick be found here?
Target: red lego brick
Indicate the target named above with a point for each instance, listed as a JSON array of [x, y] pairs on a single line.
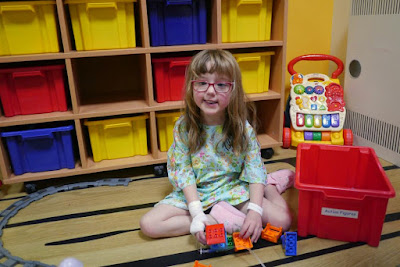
[[215, 234]]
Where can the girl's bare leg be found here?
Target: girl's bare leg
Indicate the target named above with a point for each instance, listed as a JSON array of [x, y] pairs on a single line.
[[275, 209], [166, 221]]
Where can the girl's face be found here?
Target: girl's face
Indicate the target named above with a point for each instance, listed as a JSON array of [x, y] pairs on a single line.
[[212, 104]]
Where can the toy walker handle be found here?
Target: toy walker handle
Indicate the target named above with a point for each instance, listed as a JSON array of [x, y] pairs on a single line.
[[316, 57]]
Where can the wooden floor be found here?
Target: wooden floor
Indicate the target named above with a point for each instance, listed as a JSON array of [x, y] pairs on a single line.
[[100, 227]]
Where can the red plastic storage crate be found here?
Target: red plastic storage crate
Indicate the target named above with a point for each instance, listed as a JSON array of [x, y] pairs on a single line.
[[32, 90], [343, 193], [169, 77]]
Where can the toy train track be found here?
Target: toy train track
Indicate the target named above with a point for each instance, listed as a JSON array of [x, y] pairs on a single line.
[[14, 208]]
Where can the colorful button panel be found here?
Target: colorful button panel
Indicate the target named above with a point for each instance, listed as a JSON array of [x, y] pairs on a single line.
[[312, 136], [318, 95], [326, 120]]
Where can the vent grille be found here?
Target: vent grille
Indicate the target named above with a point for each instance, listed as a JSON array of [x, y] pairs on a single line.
[[375, 7], [376, 131]]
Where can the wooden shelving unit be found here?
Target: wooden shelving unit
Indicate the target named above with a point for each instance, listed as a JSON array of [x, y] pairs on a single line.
[[106, 83]]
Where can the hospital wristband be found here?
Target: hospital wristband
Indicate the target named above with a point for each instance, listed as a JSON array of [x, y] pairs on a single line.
[[255, 207]]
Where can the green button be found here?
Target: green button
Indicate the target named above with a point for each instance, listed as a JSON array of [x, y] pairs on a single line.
[[299, 89], [317, 136]]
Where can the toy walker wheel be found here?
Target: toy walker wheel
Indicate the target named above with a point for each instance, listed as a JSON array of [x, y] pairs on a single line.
[[286, 138], [348, 137]]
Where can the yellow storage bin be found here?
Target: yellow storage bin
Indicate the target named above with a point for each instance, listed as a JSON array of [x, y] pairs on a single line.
[[165, 125], [28, 28], [255, 68], [102, 24], [246, 20], [118, 138]]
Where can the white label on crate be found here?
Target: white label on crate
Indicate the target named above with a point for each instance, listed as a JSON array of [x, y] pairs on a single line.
[[339, 213]]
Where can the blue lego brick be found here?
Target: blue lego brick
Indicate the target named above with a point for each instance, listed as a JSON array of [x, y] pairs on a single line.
[[289, 243], [228, 245], [218, 247]]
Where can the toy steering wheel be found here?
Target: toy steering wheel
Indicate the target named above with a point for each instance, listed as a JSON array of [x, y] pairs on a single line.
[[315, 57]]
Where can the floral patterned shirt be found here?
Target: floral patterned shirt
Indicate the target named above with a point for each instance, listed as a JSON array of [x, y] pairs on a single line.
[[218, 173]]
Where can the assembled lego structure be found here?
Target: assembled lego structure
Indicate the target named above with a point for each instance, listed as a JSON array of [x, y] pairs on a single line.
[[218, 240]]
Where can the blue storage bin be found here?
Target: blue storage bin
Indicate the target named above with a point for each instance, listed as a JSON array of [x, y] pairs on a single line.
[[40, 149], [177, 22]]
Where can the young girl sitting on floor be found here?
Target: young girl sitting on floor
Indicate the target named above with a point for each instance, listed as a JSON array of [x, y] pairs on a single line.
[[215, 161]]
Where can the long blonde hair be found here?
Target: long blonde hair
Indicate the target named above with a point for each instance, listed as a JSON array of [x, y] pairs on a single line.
[[238, 111]]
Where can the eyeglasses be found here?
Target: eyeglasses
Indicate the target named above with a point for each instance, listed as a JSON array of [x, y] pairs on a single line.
[[219, 87]]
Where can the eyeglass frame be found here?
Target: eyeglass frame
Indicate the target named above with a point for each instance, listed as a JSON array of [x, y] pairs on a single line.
[[231, 84]]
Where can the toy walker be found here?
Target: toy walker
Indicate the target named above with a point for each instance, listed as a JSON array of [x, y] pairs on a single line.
[[317, 108]]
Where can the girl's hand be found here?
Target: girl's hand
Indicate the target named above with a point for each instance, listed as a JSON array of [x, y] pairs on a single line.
[[199, 220], [252, 226], [201, 237]]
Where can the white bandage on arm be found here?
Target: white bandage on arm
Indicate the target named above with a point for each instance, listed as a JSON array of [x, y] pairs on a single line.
[[198, 217], [255, 207]]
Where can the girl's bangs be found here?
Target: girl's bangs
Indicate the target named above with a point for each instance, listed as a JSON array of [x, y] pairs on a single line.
[[213, 64]]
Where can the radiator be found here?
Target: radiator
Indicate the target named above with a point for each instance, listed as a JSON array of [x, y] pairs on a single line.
[[372, 76]]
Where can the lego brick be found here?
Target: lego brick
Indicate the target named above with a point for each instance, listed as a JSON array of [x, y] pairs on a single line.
[[229, 242], [289, 243], [198, 264], [271, 233], [215, 234], [241, 243]]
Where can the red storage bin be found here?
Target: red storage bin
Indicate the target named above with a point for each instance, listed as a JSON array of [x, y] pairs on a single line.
[[343, 193], [32, 90], [169, 77]]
